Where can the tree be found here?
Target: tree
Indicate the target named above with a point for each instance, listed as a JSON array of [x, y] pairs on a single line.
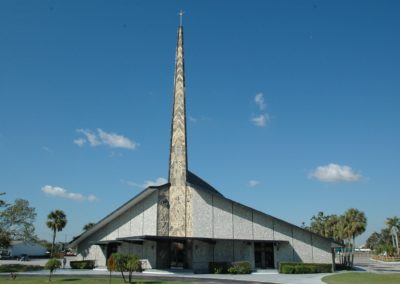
[[52, 264], [56, 221], [16, 221], [325, 225], [373, 241], [356, 223], [5, 238], [88, 226], [120, 263], [111, 265], [393, 222], [133, 264]]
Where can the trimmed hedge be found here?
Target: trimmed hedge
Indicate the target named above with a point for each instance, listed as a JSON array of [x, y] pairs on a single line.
[[19, 268], [303, 268], [82, 264], [218, 267], [239, 267]]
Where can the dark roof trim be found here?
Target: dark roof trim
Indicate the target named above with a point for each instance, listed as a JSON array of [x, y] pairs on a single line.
[[195, 180]]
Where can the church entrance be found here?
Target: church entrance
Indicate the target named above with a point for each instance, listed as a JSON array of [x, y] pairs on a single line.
[[175, 254], [178, 255], [264, 255]]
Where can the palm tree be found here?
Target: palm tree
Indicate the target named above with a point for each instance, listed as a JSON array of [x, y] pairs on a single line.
[[354, 225], [56, 220], [393, 222], [88, 226]]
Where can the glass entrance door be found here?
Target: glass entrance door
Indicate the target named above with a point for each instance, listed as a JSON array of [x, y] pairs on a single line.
[[178, 255], [264, 255]]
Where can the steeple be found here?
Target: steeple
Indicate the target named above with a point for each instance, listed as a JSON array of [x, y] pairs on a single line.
[[178, 154], [179, 224]]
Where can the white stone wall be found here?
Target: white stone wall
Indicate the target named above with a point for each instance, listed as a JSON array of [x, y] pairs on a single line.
[[222, 212], [262, 227], [139, 220], [218, 218], [242, 222], [203, 222]]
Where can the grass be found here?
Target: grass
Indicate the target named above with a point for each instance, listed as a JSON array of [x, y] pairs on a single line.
[[73, 280], [362, 277]]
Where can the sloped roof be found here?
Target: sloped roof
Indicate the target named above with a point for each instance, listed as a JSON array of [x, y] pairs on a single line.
[[200, 183], [192, 180], [117, 212]]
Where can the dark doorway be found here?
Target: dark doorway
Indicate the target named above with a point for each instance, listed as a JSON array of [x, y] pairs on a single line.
[[178, 255], [112, 248], [163, 255], [264, 255]]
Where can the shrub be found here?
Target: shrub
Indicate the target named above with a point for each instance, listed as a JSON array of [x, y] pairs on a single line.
[[218, 267], [19, 267], [240, 267], [52, 264], [82, 264], [303, 268]]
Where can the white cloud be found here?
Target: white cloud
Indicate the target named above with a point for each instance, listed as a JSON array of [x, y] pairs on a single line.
[[80, 142], [102, 137], [253, 183], [115, 140], [259, 100], [260, 120], [90, 136], [147, 183], [157, 182], [56, 191], [335, 173]]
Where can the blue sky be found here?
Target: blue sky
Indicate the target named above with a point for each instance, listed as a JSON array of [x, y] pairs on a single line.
[[292, 105]]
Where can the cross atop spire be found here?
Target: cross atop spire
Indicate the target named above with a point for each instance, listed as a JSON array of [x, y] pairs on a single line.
[[180, 17]]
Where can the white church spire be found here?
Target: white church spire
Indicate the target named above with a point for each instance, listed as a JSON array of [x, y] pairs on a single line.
[[178, 154]]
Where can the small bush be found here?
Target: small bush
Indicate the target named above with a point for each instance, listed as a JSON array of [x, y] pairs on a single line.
[[303, 268], [82, 264], [218, 267], [240, 267], [52, 264]]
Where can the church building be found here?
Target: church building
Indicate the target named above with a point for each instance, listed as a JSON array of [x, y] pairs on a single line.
[[187, 223]]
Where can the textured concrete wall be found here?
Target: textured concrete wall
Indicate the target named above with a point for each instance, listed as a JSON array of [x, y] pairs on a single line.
[[93, 252], [223, 250], [262, 227], [223, 226], [149, 254], [202, 255], [150, 215], [244, 251], [302, 246], [321, 250], [202, 214], [139, 220], [242, 222]]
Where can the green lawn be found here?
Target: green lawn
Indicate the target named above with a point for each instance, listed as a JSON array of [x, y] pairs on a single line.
[[72, 280], [362, 277]]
